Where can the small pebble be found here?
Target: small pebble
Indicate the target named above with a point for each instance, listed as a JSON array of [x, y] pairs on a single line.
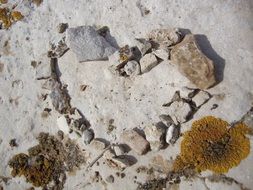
[[88, 136], [61, 28], [13, 143]]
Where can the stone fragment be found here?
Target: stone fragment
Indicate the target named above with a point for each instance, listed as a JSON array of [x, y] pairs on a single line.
[[119, 150], [132, 68], [143, 45], [98, 144], [62, 27], [109, 179], [165, 37], [192, 63], [162, 53], [201, 98], [88, 136], [172, 134], [63, 124], [118, 163], [179, 111], [60, 98], [155, 135], [109, 154], [166, 119], [161, 164], [76, 121], [148, 62], [87, 44], [135, 141]]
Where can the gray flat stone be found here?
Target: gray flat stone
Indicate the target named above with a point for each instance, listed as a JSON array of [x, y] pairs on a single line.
[[87, 44]]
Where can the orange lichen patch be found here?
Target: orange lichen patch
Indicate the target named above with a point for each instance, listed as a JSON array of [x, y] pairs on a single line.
[[8, 17], [212, 144], [16, 15]]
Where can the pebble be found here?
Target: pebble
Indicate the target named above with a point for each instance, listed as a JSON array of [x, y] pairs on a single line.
[[155, 135], [135, 141], [201, 98], [87, 44], [148, 62], [172, 134], [165, 37], [88, 136], [119, 150], [132, 68], [143, 45], [192, 63], [162, 53], [179, 111], [62, 27], [63, 124]]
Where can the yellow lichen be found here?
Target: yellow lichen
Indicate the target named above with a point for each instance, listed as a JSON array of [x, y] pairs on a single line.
[[212, 144], [16, 15], [8, 17]]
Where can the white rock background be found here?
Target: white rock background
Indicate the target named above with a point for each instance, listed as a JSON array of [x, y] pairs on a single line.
[[227, 25]]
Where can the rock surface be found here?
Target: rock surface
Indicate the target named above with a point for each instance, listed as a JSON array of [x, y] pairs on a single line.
[[135, 141], [192, 63], [143, 45], [87, 44]]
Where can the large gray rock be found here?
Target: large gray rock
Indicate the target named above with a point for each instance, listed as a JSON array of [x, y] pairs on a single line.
[[192, 63], [87, 44]]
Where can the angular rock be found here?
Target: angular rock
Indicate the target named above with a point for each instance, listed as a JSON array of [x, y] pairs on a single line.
[[179, 111], [143, 45], [155, 135], [148, 62], [172, 134], [132, 68], [162, 53], [165, 37], [60, 99], [135, 141], [201, 98], [98, 145], [88, 136], [87, 44], [63, 124], [119, 150], [192, 63]]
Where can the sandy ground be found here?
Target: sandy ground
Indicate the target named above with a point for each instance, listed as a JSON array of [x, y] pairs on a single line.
[[225, 33]]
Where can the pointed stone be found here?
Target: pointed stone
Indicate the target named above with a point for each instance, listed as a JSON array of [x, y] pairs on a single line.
[[192, 63]]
